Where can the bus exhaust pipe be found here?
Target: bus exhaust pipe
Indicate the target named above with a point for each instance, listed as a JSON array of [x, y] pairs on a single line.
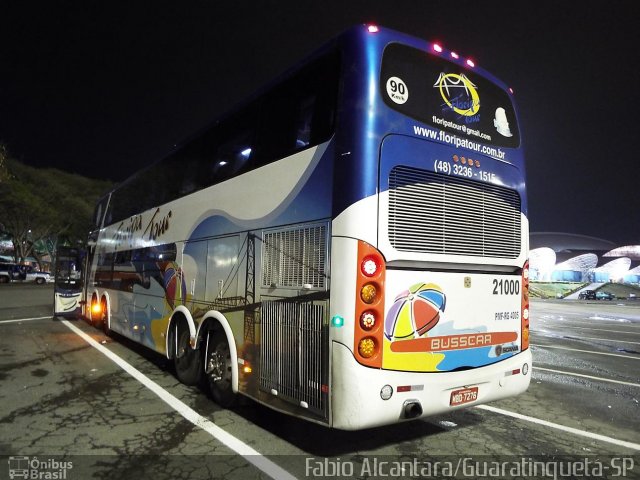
[[411, 409]]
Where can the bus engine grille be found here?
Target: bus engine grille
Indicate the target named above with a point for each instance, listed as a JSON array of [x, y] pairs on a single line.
[[295, 257], [292, 353], [441, 214]]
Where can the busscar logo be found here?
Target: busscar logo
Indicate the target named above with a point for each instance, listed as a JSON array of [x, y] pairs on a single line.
[[459, 93]]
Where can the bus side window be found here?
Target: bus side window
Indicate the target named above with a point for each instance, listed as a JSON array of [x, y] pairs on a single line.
[[228, 148], [303, 124], [232, 157], [103, 275]]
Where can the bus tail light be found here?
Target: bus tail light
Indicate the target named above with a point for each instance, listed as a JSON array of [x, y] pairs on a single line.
[[369, 312], [369, 293], [370, 265], [525, 307], [367, 347]]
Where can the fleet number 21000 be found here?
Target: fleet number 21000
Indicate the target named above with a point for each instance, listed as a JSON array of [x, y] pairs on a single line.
[[506, 287]]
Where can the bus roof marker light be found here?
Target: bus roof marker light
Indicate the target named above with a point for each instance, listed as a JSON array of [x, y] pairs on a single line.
[[470, 63], [455, 55], [437, 47], [373, 28]]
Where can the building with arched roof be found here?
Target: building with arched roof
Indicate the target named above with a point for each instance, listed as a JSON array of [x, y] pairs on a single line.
[[632, 276], [569, 242], [613, 271], [579, 258], [630, 251], [542, 262], [576, 269]]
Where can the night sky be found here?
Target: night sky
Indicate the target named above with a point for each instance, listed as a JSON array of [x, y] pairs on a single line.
[[104, 88]]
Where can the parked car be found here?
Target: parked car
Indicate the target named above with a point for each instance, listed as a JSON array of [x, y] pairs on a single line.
[[587, 295], [11, 272], [39, 277], [605, 296]]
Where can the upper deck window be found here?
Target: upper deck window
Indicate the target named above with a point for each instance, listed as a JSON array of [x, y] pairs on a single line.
[[447, 96]]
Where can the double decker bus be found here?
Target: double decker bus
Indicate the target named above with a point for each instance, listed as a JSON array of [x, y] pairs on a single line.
[[348, 246]]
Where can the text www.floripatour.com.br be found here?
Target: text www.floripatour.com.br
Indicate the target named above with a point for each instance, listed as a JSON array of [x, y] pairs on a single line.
[[458, 142]]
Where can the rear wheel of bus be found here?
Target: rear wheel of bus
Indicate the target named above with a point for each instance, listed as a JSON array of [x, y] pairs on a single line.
[[218, 367]]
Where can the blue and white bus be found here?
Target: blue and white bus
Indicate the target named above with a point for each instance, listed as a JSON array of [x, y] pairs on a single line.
[[348, 246]]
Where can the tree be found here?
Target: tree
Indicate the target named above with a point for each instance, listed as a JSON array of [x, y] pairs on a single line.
[[4, 170], [39, 206]]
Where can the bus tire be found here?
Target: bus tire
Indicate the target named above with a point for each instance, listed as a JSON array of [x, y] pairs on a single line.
[[104, 317], [92, 316], [218, 370], [186, 361]]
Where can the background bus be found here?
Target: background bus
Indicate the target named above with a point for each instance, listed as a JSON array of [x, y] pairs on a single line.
[[349, 246], [68, 281]]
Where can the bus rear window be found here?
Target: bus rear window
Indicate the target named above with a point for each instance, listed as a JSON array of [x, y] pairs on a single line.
[[447, 96]]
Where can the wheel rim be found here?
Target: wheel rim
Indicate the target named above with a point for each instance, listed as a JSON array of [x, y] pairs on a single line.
[[219, 364]]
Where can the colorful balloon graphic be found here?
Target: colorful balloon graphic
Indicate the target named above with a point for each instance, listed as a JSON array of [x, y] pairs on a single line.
[[414, 312], [174, 286]]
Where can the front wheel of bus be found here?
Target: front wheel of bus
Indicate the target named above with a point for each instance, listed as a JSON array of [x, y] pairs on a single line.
[[218, 370], [186, 360]]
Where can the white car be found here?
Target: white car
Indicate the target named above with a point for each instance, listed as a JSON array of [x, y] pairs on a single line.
[[39, 277]]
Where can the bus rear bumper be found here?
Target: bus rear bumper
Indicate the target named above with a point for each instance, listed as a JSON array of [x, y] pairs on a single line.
[[357, 391]]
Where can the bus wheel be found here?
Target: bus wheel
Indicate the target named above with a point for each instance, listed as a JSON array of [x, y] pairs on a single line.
[[186, 360], [104, 317], [218, 370], [92, 316]]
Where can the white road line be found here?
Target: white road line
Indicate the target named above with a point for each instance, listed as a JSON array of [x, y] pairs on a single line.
[[601, 339], [18, 320], [604, 330], [249, 454], [587, 351], [587, 376], [550, 334], [575, 431]]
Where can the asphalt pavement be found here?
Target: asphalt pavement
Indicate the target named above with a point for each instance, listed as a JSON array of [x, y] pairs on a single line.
[[115, 409]]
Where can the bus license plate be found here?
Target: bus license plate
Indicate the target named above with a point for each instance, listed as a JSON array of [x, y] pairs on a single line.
[[465, 395]]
